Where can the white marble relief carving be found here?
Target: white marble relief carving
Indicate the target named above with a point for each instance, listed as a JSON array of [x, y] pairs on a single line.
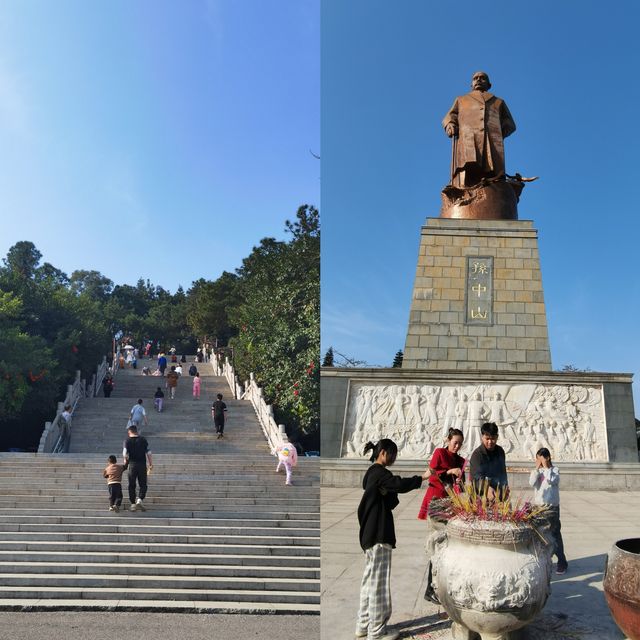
[[567, 419]]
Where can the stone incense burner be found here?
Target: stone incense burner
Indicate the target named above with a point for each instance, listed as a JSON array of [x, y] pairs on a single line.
[[492, 578]]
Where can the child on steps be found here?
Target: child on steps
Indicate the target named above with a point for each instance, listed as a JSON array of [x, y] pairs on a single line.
[[113, 474]]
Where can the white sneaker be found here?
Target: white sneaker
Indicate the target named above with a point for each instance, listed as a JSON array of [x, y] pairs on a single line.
[[133, 507], [139, 504], [112, 508]]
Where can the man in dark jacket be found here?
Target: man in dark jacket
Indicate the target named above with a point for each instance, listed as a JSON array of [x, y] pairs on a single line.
[[488, 462]]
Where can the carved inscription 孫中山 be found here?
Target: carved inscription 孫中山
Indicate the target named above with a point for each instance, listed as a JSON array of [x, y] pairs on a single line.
[[479, 290]]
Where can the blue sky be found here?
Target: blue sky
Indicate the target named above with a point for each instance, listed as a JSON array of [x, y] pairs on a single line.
[[159, 140], [568, 72]]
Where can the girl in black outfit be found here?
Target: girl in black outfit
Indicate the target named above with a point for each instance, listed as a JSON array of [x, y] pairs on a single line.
[[378, 538]]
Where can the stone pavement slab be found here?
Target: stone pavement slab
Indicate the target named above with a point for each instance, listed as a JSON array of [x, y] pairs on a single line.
[[591, 523], [80, 625]]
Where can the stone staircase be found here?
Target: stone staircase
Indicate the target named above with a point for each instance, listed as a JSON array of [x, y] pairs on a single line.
[[222, 532]]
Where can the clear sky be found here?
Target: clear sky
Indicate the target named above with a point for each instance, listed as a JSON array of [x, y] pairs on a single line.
[[151, 139], [568, 72]]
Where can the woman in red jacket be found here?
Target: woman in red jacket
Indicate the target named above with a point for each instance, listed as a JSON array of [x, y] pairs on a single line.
[[447, 469]]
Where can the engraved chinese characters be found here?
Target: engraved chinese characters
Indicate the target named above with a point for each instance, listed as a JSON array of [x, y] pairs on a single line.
[[479, 290], [567, 419]]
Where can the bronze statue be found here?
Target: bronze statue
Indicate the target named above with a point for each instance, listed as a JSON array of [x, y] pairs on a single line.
[[480, 121], [479, 188]]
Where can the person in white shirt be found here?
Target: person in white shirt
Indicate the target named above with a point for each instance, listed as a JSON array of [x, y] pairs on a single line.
[[138, 414], [545, 481]]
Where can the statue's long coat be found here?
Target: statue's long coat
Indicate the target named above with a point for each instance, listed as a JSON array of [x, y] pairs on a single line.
[[483, 121]]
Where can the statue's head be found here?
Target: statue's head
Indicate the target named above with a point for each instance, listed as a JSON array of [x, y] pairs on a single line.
[[480, 81]]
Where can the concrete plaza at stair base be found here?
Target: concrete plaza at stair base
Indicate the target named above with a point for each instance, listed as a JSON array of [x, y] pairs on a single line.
[[221, 533], [592, 522], [80, 625]]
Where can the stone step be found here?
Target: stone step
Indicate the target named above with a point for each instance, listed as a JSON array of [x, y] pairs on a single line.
[[170, 559], [153, 502], [183, 583], [143, 594], [279, 492], [157, 569], [139, 529], [160, 484], [170, 514], [157, 538], [158, 547], [9, 518]]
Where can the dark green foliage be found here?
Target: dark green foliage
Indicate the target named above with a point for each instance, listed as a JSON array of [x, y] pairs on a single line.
[[278, 321], [52, 325], [328, 358], [397, 360], [207, 308]]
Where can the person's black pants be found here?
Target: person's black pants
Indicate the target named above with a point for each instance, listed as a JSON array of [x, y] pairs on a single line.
[[137, 472], [219, 425], [115, 494]]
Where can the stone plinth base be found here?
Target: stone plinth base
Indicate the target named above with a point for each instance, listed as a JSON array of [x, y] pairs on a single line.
[[477, 300], [492, 201], [579, 417]]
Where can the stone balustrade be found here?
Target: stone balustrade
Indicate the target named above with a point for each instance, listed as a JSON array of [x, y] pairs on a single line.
[[274, 433], [57, 433]]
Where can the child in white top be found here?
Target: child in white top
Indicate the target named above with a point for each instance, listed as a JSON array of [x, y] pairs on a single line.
[[545, 481]]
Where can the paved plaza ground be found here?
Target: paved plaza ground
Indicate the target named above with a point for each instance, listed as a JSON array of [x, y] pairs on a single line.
[[591, 522], [80, 625]]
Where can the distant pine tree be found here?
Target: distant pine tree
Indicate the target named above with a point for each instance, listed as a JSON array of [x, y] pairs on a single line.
[[328, 358], [397, 361]]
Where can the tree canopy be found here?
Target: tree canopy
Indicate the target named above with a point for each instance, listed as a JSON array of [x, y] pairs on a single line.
[[267, 313]]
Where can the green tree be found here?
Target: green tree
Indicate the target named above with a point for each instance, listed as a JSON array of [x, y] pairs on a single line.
[[328, 358], [207, 308], [278, 320], [397, 360]]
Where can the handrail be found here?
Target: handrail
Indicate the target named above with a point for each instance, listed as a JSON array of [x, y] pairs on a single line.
[[56, 435]]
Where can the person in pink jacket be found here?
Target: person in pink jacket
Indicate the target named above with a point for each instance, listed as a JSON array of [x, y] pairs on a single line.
[[196, 387], [287, 456]]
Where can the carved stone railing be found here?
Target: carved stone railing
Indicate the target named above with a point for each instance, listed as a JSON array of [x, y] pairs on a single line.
[[96, 379], [116, 362], [274, 433], [222, 366], [57, 433]]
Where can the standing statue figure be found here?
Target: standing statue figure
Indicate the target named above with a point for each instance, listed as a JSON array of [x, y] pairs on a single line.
[[481, 121], [479, 188]]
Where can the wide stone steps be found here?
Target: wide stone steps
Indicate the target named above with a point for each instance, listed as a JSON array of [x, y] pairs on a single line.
[[157, 539], [139, 530], [157, 569], [202, 583], [221, 531], [225, 593], [204, 560]]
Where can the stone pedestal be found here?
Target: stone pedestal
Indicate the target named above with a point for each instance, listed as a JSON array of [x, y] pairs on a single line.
[[582, 418], [477, 299]]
